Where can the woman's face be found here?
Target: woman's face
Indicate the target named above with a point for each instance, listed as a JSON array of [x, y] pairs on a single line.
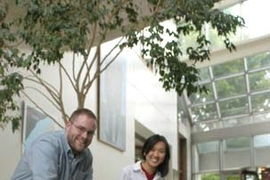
[[156, 155]]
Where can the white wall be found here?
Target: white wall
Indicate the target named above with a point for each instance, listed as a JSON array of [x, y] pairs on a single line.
[[153, 107], [147, 102], [10, 151]]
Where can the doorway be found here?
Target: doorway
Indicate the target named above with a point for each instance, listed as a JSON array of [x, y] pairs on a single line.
[[182, 158]]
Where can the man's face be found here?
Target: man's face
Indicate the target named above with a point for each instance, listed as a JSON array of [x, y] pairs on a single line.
[[80, 132]]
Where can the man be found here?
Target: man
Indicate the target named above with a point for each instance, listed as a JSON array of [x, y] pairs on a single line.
[[61, 155]]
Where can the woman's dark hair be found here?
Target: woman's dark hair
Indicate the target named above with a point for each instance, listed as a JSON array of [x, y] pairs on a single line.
[[150, 142]]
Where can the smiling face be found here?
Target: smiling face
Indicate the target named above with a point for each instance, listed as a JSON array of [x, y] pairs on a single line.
[[80, 132], [155, 157]]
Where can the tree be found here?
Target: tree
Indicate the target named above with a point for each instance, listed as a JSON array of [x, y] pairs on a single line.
[[52, 28]]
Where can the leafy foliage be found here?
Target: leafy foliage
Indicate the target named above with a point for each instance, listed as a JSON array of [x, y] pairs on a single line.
[[10, 83], [51, 28]]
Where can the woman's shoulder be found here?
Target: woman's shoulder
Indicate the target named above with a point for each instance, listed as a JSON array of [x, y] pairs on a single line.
[[133, 167], [131, 172]]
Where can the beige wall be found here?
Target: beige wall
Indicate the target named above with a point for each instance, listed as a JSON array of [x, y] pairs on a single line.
[[10, 151]]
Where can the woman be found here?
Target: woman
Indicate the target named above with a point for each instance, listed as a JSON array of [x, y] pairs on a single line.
[[155, 161]]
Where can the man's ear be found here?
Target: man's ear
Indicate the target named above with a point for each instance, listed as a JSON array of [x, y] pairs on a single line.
[[67, 121]]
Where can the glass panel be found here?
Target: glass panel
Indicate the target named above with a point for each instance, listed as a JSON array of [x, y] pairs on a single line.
[[208, 147], [204, 112], [237, 143], [188, 41], [209, 158], [207, 126], [231, 87], [228, 68], [216, 41], [234, 107], [236, 11], [236, 121], [232, 176], [204, 74], [254, 13], [258, 61], [262, 140], [259, 80], [212, 176], [182, 115], [202, 98], [236, 153], [261, 117], [260, 102]]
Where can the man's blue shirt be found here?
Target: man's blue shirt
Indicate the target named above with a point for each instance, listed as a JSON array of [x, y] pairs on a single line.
[[50, 157]]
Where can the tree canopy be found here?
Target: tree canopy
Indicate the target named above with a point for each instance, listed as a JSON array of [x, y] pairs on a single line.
[[52, 28]]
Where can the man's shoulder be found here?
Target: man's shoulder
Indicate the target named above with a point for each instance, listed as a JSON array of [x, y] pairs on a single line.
[[52, 134], [49, 142], [51, 137]]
